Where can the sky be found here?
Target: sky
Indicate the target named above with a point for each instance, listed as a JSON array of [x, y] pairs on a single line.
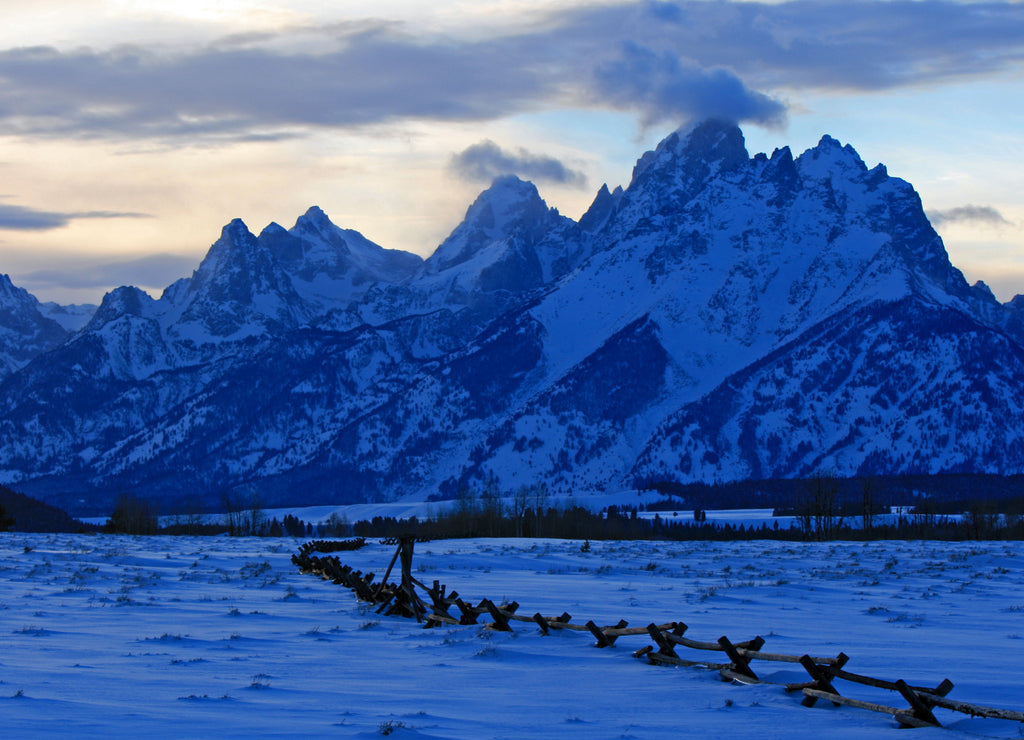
[[131, 131]]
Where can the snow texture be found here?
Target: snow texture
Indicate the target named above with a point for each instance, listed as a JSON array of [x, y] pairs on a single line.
[[217, 637]]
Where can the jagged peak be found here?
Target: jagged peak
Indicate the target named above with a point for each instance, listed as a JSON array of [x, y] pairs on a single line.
[[600, 209], [173, 292], [314, 219], [315, 213], [506, 194], [126, 300], [233, 235], [508, 207], [982, 288], [716, 140], [234, 229], [272, 229], [11, 292], [508, 201], [822, 160], [237, 249], [235, 242], [780, 165], [713, 145]]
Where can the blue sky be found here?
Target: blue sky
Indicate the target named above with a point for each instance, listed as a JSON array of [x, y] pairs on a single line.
[[132, 130]]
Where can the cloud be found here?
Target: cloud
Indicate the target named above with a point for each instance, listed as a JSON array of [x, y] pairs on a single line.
[[377, 76], [486, 160], [154, 271], [822, 44], [20, 218], [683, 59], [985, 215], [665, 88]]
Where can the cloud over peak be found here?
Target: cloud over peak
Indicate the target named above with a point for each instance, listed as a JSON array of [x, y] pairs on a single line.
[[664, 87], [484, 161]]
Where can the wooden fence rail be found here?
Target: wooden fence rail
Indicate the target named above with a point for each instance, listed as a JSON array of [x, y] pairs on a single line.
[[403, 599]]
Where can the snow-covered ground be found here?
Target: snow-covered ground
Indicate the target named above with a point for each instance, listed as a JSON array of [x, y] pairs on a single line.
[[109, 636]]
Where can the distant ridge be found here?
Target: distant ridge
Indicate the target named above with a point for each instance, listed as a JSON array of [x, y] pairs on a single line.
[[31, 515]]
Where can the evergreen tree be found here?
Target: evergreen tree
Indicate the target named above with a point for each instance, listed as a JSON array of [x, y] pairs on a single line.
[[6, 522], [132, 516]]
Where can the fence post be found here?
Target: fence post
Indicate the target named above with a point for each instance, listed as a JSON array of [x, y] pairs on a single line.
[[822, 680], [740, 662], [664, 646], [918, 708]]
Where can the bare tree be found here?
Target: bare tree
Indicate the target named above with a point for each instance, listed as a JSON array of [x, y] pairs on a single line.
[[132, 515], [520, 505], [492, 506], [337, 525], [826, 520], [818, 511], [867, 505], [190, 519], [255, 512], [540, 502], [232, 514]]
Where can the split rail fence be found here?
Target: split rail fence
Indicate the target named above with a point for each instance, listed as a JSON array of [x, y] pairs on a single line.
[[403, 599]]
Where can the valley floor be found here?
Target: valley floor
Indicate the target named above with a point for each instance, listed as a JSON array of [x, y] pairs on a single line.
[[108, 636]]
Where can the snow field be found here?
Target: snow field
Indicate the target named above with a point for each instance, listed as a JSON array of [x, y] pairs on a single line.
[[191, 637]]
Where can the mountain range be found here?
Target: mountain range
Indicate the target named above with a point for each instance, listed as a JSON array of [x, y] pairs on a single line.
[[724, 317]]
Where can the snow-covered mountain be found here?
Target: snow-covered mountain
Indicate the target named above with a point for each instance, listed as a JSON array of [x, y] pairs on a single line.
[[722, 317], [29, 328]]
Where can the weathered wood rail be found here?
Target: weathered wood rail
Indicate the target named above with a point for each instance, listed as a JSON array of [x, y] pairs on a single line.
[[402, 599], [323, 546]]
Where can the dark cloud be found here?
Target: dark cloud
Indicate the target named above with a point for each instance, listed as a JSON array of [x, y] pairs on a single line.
[[155, 271], [257, 92], [664, 88], [486, 160], [978, 214], [674, 60], [822, 44], [20, 218]]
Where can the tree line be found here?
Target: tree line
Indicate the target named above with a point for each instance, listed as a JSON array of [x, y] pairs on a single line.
[[822, 508]]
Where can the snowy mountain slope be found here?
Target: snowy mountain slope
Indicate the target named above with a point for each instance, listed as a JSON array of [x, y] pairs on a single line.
[[240, 393], [711, 261], [908, 385], [509, 245], [723, 316], [71, 317], [511, 240], [239, 290], [330, 267], [27, 328]]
